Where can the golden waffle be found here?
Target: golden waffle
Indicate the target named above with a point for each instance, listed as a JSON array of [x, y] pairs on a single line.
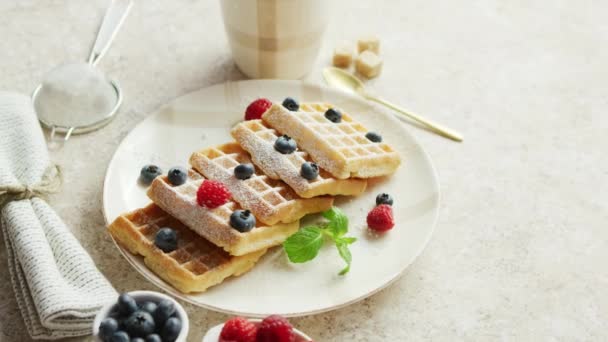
[[258, 139], [340, 148], [194, 266], [270, 200], [214, 224]]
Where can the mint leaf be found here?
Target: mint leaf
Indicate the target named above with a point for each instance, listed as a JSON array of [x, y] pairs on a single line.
[[345, 254], [338, 222], [304, 245], [348, 239], [331, 213]]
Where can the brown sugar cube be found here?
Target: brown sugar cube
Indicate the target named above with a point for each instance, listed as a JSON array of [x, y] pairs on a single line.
[[369, 43], [343, 55], [369, 64]]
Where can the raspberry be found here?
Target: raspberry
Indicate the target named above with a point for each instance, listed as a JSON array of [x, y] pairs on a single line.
[[238, 329], [275, 328], [257, 108], [381, 218], [212, 194]]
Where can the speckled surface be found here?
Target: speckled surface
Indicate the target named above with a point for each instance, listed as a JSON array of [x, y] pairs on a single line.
[[520, 249]]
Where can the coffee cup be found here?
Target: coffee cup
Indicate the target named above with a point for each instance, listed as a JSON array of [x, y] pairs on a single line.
[[275, 38]]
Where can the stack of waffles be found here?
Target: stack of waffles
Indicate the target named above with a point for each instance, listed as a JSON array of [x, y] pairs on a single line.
[[209, 249]]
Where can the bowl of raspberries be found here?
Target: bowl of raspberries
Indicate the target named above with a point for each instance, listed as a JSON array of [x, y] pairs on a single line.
[[273, 328], [142, 316]]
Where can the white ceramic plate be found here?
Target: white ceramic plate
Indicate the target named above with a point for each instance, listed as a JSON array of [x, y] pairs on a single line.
[[275, 286]]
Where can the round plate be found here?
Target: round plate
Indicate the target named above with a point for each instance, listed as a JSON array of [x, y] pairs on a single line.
[[276, 286]]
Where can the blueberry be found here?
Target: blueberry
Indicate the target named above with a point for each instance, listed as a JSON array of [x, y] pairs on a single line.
[[164, 310], [244, 171], [333, 115], [138, 339], [119, 336], [166, 239], [148, 173], [177, 175], [107, 327], [171, 329], [374, 137], [115, 313], [309, 170], [140, 324], [291, 104], [126, 304], [148, 307], [153, 338], [242, 220], [285, 145], [384, 198]]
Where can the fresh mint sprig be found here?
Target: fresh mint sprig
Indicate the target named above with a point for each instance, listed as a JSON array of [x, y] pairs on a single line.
[[304, 245]]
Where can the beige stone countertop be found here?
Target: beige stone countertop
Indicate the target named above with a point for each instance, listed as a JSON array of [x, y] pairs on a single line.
[[520, 251]]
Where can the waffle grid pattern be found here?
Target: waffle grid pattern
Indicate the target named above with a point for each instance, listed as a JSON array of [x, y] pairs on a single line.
[[296, 159], [348, 136], [273, 192], [188, 190], [340, 148], [193, 253], [272, 201], [258, 139], [214, 224]]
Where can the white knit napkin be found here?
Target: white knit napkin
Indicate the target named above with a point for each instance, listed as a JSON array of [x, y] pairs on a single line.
[[58, 288]]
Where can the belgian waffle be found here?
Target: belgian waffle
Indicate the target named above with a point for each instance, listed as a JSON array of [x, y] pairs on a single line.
[[270, 200], [258, 139], [194, 266], [340, 148], [214, 224]]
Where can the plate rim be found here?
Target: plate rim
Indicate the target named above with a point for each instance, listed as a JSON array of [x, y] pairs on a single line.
[[169, 289]]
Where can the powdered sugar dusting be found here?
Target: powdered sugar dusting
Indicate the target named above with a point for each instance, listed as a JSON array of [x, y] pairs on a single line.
[[267, 198], [258, 139], [180, 201], [192, 249], [213, 224], [340, 148]]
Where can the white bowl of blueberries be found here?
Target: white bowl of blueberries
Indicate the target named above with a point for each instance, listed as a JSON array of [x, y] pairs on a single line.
[[142, 316]]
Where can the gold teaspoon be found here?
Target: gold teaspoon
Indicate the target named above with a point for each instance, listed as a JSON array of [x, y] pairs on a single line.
[[348, 82]]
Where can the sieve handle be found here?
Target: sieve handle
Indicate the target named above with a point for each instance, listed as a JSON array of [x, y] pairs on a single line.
[[112, 21]]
